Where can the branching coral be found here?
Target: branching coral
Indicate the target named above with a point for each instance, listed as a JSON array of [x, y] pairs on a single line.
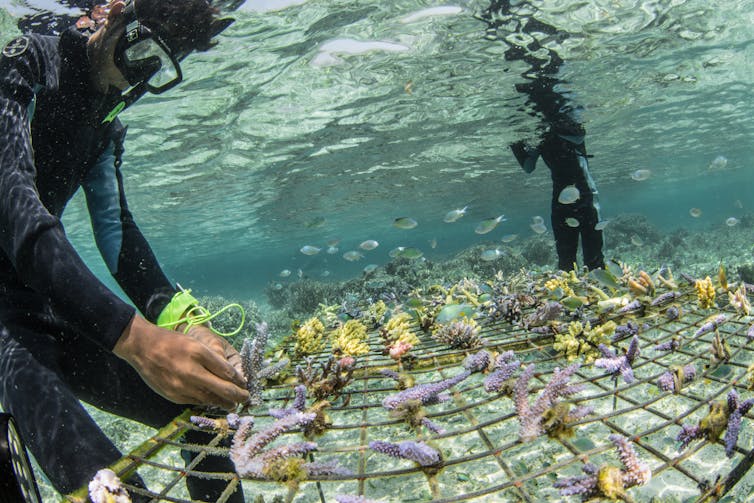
[[418, 452], [350, 338], [608, 481], [532, 417], [705, 292], [722, 415], [619, 364], [376, 312], [310, 337], [459, 334], [427, 394], [740, 301], [397, 334], [544, 314], [325, 380], [254, 367], [583, 340], [283, 463], [674, 379], [500, 378]]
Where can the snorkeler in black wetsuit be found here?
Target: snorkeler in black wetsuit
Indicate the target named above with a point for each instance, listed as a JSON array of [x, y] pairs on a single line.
[[562, 143], [64, 336]]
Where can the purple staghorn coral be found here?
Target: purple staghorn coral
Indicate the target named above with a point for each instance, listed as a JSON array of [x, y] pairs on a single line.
[[669, 345], [299, 404], [711, 325], [736, 410], [619, 364], [631, 328], [245, 451], [665, 298], [673, 381], [478, 361], [427, 394], [418, 452], [608, 481], [505, 365], [252, 363], [531, 417], [721, 416]]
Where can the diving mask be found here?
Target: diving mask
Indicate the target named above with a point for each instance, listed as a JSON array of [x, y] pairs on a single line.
[[144, 58]]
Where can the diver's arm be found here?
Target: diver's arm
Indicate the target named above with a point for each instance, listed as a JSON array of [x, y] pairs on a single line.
[[33, 239], [122, 245], [526, 156]]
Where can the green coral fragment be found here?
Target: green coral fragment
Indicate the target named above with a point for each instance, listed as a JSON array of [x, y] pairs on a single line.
[[583, 340]]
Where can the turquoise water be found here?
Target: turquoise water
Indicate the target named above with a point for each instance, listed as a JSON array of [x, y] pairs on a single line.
[[287, 123]]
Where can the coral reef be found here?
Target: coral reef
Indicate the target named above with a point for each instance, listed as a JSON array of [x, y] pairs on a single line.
[[255, 368], [499, 380], [397, 334]]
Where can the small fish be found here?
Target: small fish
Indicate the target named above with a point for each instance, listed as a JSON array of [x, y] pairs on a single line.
[[490, 255], [539, 228], [333, 242], [332, 250], [636, 240], [299, 273], [601, 225], [277, 286], [731, 221], [309, 250], [433, 243], [640, 175], [569, 195], [536, 219], [325, 273], [396, 251], [353, 255], [571, 222], [488, 224], [410, 253], [695, 212], [509, 238], [738, 204], [719, 162], [405, 223], [369, 269], [369, 244], [285, 273], [454, 215]]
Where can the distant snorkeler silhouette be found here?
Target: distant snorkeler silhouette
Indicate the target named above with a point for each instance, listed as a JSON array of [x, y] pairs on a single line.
[[561, 137]]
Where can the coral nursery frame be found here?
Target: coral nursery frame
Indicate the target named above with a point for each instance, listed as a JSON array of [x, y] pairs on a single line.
[[484, 460]]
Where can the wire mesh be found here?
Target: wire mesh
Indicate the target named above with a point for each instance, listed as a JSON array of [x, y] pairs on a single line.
[[484, 459]]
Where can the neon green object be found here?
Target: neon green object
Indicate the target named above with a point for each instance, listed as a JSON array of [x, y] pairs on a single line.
[[184, 308]]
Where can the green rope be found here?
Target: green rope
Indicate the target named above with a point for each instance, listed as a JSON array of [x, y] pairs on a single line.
[[199, 315]]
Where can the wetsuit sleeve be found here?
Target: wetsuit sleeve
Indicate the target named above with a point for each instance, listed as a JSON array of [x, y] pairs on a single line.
[[31, 237], [123, 247]]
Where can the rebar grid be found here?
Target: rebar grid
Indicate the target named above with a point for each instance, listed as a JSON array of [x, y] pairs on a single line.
[[484, 459]]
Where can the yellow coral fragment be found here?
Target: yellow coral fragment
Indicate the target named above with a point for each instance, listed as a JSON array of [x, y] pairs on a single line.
[[310, 337], [350, 338], [740, 301], [398, 329], [705, 292]]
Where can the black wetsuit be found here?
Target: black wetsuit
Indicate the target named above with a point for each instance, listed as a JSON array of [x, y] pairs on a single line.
[[562, 138], [58, 322]]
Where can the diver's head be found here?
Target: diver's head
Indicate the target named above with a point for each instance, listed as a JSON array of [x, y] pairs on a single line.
[[143, 41]]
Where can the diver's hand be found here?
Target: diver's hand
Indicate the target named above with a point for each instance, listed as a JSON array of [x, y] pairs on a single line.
[[178, 367], [217, 344]]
